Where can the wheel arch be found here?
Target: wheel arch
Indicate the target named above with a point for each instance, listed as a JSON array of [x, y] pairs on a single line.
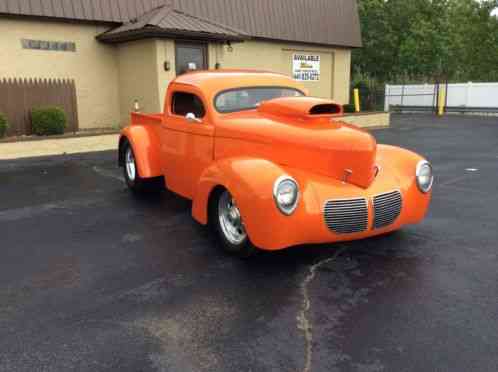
[[146, 149], [121, 156], [214, 193], [251, 182]]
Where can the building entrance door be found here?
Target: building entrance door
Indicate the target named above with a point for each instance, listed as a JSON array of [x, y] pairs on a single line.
[[190, 56]]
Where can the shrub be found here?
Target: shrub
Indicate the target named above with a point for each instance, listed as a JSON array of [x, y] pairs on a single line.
[[48, 121], [3, 125], [371, 92], [348, 108]]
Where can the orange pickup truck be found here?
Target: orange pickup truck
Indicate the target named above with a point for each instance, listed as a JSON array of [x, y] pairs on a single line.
[[269, 167]]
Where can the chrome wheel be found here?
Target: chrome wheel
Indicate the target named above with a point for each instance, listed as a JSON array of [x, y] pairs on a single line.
[[230, 220], [131, 169]]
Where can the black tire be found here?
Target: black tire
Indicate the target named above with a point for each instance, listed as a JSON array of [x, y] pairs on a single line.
[[136, 183], [243, 249]]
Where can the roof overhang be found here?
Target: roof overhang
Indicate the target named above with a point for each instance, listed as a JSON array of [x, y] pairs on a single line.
[[168, 22], [158, 33]]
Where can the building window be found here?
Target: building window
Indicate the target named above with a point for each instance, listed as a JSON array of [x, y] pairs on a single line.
[[58, 46]]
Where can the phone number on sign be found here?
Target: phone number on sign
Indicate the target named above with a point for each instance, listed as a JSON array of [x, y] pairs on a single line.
[[307, 76]]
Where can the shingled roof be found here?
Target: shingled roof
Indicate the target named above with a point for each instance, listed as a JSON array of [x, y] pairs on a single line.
[[325, 22], [166, 21]]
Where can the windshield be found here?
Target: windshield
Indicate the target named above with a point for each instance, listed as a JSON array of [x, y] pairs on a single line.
[[249, 98]]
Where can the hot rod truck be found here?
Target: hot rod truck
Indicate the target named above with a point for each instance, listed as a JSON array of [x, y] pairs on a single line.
[[269, 167]]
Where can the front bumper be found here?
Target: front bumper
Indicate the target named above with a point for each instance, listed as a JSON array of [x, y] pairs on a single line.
[[309, 225]]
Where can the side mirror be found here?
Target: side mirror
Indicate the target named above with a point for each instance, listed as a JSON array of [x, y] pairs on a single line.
[[192, 118]]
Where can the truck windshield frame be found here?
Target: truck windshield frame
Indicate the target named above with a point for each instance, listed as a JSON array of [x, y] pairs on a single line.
[[254, 96]]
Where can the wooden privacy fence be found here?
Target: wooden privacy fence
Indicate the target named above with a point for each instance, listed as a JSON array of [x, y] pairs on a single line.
[[19, 96]]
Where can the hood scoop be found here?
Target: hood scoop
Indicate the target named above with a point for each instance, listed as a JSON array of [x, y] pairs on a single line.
[[301, 108], [304, 133]]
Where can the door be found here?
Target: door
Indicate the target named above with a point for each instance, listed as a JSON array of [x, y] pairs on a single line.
[[190, 56], [187, 144]]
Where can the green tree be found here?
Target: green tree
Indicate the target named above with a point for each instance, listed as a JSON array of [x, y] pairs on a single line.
[[474, 40], [420, 40]]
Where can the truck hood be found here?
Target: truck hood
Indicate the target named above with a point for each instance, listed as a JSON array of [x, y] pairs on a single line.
[[303, 133]]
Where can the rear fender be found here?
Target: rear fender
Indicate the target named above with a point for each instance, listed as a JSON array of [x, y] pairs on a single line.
[[146, 147]]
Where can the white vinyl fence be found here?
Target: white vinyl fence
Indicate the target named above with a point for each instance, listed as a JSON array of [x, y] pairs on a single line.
[[472, 96]]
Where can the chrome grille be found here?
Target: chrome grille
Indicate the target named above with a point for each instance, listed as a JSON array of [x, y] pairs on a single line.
[[387, 208], [346, 216]]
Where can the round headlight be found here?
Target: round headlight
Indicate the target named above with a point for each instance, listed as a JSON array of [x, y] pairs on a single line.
[[286, 194], [425, 177]]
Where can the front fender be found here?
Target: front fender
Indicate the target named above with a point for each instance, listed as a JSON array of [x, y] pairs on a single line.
[[251, 181], [401, 161], [402, 164], [146, 147]]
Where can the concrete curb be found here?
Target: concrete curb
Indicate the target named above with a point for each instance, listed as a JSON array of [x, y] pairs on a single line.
[[33, 138], [58, 146]]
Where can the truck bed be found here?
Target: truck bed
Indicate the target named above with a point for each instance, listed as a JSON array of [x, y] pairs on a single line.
[[138, 118]]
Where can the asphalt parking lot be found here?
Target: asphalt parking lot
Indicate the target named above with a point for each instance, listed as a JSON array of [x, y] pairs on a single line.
[[94, 279]]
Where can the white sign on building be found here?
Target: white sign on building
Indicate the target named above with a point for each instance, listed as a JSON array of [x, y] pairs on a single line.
[[306, 67]]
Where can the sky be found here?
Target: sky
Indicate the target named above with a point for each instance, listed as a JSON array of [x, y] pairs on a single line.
[[495, 12]]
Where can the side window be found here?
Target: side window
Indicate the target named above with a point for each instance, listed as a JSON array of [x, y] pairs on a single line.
[[184, 103]]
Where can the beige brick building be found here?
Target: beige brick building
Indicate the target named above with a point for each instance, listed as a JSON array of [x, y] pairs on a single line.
[[122, 51]]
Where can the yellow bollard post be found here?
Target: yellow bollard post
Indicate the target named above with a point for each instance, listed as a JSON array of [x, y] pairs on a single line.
[[441, 101], [357, 100]]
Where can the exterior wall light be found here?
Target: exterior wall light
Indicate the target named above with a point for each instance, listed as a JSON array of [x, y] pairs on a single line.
[[136, 106]]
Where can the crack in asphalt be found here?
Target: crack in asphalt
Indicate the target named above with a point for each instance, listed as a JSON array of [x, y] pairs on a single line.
[[108, 174], [303, 323]]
